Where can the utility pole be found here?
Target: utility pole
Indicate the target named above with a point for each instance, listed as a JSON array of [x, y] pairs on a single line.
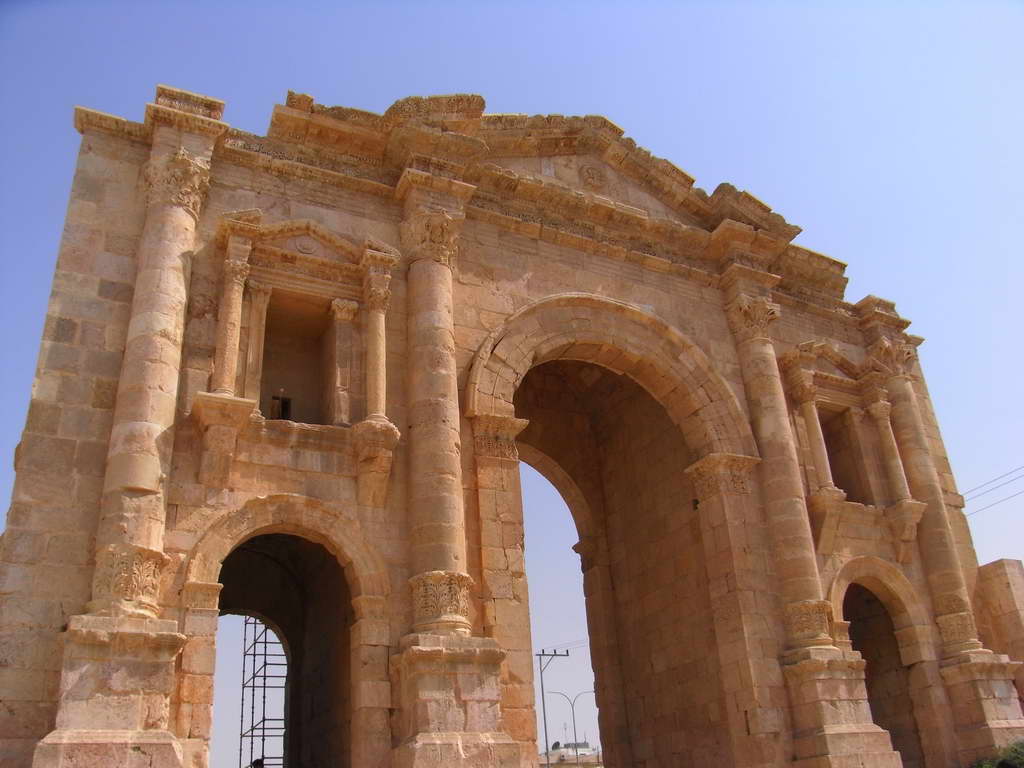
[[572, 709], [543, 659]]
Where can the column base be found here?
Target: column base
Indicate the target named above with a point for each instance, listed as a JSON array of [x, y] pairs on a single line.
[[832, 723], [450, 689], [125, 749], [986, 708]]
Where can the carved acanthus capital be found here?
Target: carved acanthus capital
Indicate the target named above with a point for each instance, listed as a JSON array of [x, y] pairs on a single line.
[[235, 272], [880, 410], [259, 292], [343, 310], [441, 601], [129, 578], [377, 291], [432, 233], [495, 436], [808, 622], [894, 356], [721, 473], [749, 316], [179, 179]]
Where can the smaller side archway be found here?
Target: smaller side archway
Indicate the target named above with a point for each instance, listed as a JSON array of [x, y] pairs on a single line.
[[296, 536], [885, 621]]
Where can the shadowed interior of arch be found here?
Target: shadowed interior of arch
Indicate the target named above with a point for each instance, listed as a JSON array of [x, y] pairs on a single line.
[[617, 459], [299, 589]]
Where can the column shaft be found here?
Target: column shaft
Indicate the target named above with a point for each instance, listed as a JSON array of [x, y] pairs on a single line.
[[259, 298], [376, 365], [130, 532], [896, 477], [809, 410], [807, 614], [938, 548], [229, 321]]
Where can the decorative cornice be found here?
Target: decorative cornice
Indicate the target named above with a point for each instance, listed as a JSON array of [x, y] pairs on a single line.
[[749, 316], [178, 179]]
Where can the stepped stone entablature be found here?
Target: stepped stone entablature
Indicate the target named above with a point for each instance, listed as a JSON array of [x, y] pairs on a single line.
[[336, 342]]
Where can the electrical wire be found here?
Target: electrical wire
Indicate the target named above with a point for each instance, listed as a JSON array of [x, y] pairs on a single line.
[[994, 503], [995, 487], [988, 482]]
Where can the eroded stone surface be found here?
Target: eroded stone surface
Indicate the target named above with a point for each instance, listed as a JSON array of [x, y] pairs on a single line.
[[328, 349]]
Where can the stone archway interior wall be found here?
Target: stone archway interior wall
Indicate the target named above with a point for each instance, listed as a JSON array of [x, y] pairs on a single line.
[[652, 634]]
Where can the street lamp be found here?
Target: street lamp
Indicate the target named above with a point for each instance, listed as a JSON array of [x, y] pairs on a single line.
[[572, 709]]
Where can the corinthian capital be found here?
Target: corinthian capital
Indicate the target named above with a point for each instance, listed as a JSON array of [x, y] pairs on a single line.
[[893, 356], [179, 179], [750, 316], [432, 234]]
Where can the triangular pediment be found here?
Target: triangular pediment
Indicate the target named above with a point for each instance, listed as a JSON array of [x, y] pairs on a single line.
[[311, 240]]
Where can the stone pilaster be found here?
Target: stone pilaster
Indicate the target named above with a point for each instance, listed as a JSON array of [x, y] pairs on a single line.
[[727, 510], [377, 267], [338, 363], [259, 299]]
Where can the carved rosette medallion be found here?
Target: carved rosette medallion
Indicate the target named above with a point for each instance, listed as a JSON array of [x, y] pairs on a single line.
[[495, 436], [441, 601], [894, 356], [432, 234], [809, 622], [721, 473], [594, 178], [130, 574], [180, 179], [750, 316]]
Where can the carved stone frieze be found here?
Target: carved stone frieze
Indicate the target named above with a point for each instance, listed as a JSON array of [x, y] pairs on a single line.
[[441, 600], [495, 436], [180, 179], [432, 233], [750, 316], [721, 473]]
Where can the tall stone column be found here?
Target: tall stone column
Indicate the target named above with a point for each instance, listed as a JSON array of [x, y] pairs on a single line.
[[831, 718], [809, 410], [751, 313], [440, 583], [986, 710], [118, 666], [449, 681]]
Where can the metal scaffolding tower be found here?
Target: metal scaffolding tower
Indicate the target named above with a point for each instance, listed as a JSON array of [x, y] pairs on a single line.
[[264, 674]]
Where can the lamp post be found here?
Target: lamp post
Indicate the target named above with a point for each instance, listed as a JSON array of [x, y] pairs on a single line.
[[572, 709]]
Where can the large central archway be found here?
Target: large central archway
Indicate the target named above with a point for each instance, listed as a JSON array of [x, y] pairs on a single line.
[[612, 405]]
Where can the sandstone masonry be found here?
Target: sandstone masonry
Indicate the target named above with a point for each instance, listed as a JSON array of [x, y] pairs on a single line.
[[293, 376]]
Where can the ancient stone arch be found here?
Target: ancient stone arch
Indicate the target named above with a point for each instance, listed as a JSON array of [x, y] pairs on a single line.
[[348, 332], [623, 338]]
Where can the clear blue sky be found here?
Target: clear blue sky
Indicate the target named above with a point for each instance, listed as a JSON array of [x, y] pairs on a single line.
[[889, 131]]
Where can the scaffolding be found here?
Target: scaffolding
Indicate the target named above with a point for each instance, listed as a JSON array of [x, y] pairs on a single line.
[[264, 675]]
